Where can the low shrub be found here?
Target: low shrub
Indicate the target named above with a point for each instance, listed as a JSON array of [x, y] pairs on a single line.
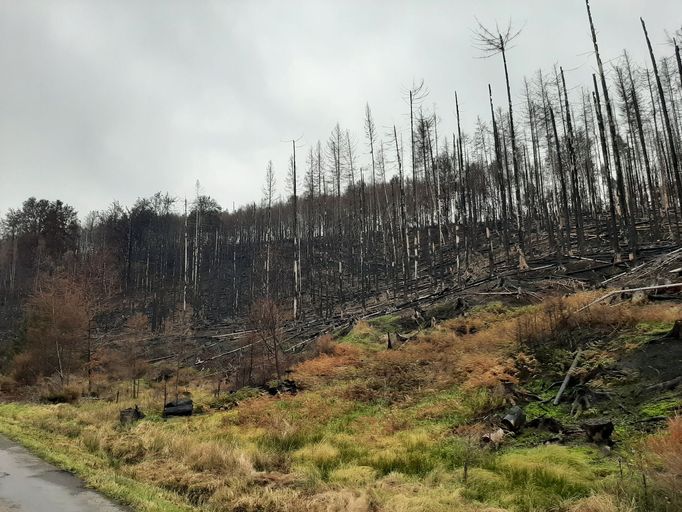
[[324, 345]]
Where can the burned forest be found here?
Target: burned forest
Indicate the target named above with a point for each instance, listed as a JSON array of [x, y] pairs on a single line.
[[366, 222], [419, 313]]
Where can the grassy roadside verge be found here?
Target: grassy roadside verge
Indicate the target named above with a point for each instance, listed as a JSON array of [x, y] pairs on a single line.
[[68, 454]]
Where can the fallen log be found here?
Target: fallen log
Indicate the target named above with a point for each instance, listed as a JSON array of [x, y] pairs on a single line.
[[667, 385], [652, 419], [178, 408], [406, 337], [557, 399], [630, 290], [665, 297], [546, 423]]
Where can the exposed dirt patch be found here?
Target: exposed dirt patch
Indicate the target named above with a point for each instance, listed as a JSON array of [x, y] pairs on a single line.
[[656, 361]]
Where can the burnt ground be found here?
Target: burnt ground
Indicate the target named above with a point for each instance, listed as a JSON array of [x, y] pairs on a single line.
[[632, 378], [654, 362]]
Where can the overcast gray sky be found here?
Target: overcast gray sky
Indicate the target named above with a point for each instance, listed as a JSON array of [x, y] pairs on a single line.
[[118, 99]]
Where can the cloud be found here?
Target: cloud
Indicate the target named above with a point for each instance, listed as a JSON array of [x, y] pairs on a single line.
[[116, 100]]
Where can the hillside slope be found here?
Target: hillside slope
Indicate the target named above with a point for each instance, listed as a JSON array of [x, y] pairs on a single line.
[[366, 428]]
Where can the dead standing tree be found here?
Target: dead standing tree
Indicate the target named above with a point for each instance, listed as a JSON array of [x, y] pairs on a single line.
[[137, 327], [297, 243], [666, 116], [417, 93], [492, 43], [620, 182], [266, 319], [268, 195]]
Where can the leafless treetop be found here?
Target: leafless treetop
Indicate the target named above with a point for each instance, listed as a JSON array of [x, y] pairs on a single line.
[[493, 41]]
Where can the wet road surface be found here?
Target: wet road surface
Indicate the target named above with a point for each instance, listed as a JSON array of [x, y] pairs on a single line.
[[28, 484]]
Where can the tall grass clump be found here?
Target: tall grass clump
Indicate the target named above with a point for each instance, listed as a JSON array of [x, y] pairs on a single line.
[[665, 450]]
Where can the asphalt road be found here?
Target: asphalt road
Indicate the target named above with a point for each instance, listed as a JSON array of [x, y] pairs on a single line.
[[28, 484]]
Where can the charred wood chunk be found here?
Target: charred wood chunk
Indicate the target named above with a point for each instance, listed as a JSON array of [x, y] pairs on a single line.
[[288, 386], [178, 408], [546, 423], [130, 415], [514, 419], [284, 386], [598, 430], [676, 332]]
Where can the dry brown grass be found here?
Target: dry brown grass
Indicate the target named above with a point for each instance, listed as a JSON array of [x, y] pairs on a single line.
[[344, 500], [667, 450], [482, 359], [218, 458], [474, 352], [333, 362], [601, 503], [285, 422], [175, 476], [557, 318]]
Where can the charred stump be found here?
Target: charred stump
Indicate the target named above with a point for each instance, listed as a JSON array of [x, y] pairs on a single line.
[[514, 419], [130, 415], [676, 332], [598, 430], [178, 408], [285, 386]]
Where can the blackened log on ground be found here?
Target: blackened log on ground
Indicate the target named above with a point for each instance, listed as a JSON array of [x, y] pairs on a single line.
[[130, 415], [664, 297], [598, 430], [284, 386], [546, 423], [666, 386], [178, 408], [514, 419], [676, 332]]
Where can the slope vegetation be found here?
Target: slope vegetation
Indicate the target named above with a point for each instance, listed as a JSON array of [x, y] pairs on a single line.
[[367, 428]]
